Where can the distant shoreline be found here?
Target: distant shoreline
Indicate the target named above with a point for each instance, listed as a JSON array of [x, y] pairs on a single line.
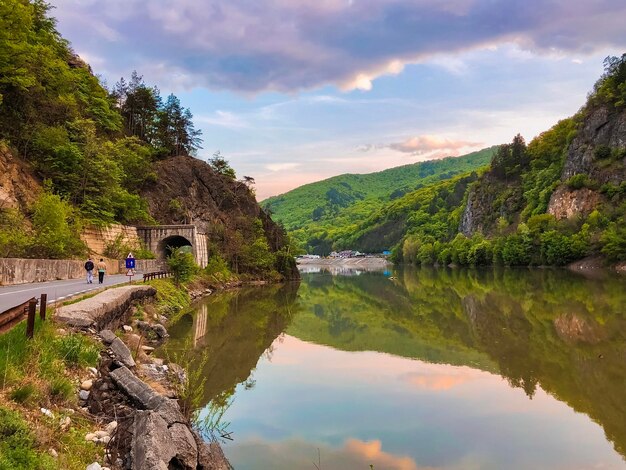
[[366, 263]]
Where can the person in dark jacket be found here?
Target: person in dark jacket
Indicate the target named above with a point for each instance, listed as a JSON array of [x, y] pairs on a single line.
[[89, 268]]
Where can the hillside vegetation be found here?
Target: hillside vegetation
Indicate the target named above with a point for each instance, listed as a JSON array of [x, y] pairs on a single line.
[[557, 199], [320, 215], [80, 153]]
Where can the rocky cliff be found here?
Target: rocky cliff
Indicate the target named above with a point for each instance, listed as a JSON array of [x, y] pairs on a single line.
[[188, 190], [591, 161], [597, 151], [19, 186], [603, 127]]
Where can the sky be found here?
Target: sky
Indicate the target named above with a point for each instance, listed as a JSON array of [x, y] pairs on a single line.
[[294, 91]]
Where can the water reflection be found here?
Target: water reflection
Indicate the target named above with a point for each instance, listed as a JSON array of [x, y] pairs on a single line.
[[545, 333], [234, 329]]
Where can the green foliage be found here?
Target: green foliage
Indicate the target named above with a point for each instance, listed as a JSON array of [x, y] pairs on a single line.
[[614, 241], [256, 256], [56, 229], [118, 248], [190, 391], [320, 216], [61, 389], [15, 237], [221, 166], [547, 154], [17, 445], [170, 299], [96, 147], [182, 265], [580, 181], [35, 372], [510, 159], [217, 268], [611, 88], [75, 350]]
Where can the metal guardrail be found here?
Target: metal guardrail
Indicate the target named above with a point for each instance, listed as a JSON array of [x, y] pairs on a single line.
[[14, 315], [156, 275]]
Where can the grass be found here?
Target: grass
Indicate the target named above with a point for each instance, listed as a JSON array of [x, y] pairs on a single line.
[[81, 298], [170, 299], [42, 373]]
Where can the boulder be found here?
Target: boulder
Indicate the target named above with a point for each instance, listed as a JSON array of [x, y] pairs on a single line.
[[107, 336], [157, 446], [139, 391], [160, 330], [122, 352], [152, 448], [185, 445], [210, 455]]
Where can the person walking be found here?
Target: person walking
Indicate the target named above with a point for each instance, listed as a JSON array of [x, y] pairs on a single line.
[[102, 268], [89, 268]]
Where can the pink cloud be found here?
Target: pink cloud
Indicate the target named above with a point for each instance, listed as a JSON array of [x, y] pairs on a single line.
[[425, 144]]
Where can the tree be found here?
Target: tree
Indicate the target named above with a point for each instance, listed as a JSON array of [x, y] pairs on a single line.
[[221, 165], [182, 265], [56, 228]]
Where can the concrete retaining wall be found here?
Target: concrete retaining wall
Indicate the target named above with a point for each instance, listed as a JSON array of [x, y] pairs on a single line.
[[24, 271], [97, 238]]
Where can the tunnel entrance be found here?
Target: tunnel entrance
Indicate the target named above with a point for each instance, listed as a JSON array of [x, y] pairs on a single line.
[[170, 244]]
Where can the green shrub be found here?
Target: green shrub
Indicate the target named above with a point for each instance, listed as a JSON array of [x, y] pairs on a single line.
[[119, 249], [61, 389], [57, 229], [614, 241], [182, 265], [23, 393], [18, 446], [580, 181], [170, 299], [602, 152]]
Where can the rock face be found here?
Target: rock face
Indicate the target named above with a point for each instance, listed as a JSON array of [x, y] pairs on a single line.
[[602, 126], [485, 204], [566, 203], [188, 190], [18, 185], [105, 309]]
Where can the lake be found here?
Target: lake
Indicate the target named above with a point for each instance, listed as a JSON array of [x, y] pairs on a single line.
[[416, 369]]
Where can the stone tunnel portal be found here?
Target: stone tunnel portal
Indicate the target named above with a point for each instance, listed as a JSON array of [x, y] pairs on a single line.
[[170, 244]]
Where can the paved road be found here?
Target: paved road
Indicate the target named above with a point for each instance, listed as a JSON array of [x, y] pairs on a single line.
[[56, 290]]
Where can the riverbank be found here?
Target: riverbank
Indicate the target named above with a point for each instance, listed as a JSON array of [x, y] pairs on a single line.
[[362, 263], [85, 413]]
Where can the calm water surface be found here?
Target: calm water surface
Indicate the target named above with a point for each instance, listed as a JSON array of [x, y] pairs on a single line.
[[431, 369]]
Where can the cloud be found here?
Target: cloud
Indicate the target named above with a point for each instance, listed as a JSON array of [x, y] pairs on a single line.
[[295, 453], [427, 144], [432, 380], [282, 166], [292, 45]]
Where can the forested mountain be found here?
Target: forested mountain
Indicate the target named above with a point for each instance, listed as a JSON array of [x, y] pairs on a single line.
[[320, 214], [559, 198], [74, 152]]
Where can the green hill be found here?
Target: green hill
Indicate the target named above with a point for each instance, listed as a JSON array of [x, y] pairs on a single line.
[[555, 200], [317, 214]]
